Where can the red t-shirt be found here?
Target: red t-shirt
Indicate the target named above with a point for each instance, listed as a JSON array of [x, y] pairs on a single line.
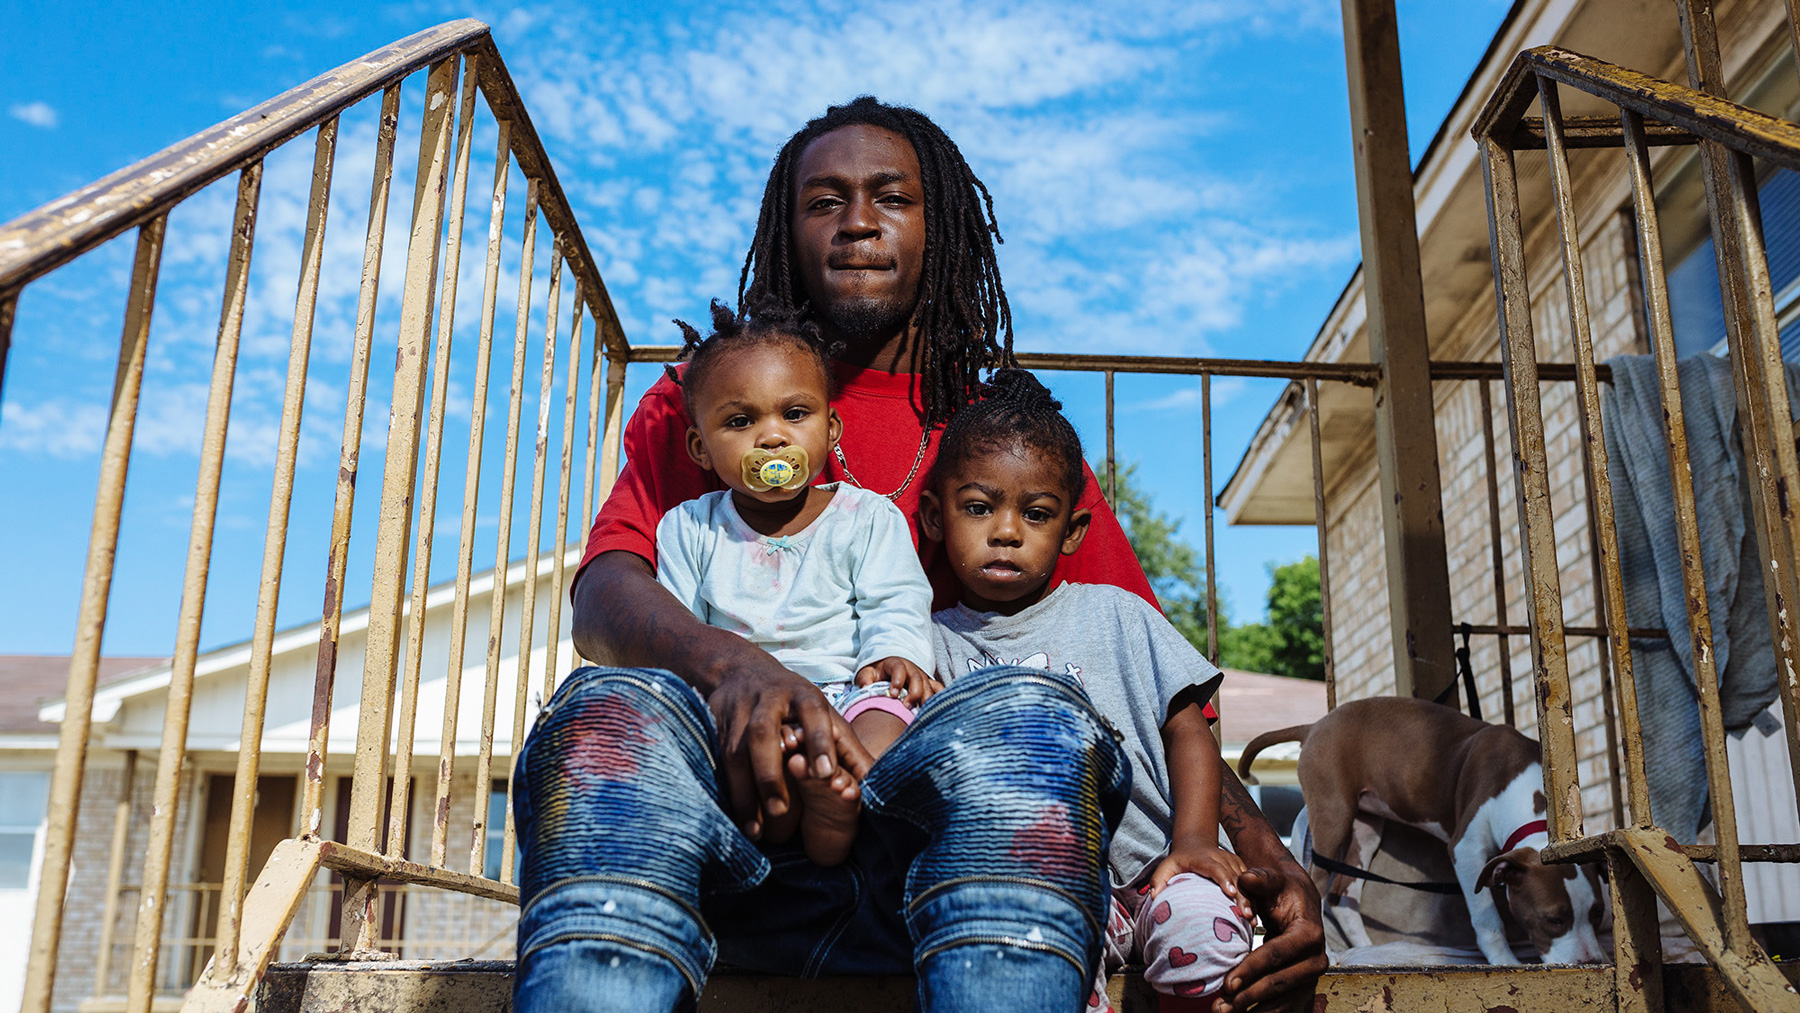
[[881, 439]]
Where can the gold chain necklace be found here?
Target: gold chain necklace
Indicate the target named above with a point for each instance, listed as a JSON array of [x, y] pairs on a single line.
[[918, 459]]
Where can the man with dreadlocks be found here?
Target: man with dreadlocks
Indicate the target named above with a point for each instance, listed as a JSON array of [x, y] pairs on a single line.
[[978, 861]]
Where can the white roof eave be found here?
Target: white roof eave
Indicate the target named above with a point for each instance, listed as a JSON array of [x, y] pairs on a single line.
[[110, 699]]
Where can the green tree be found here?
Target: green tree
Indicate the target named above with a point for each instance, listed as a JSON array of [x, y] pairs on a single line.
[[1290, 642]]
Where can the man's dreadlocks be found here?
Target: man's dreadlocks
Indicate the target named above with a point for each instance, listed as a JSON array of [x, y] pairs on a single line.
[[961, 315]]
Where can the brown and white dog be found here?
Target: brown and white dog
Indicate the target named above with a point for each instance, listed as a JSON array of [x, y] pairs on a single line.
[[1476, 786]]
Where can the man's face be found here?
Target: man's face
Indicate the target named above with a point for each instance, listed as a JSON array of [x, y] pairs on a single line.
[[859, 230]]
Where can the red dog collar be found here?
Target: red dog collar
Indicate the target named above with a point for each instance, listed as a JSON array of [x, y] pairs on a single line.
[[1534, 827]]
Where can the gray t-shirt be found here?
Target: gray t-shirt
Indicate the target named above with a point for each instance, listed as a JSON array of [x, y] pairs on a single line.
[[1133, 664]]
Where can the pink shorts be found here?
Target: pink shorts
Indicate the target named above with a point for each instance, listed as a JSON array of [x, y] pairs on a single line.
[[1187, 937]]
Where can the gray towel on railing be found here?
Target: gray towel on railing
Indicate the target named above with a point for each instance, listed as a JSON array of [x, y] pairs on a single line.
[[1650, 558]]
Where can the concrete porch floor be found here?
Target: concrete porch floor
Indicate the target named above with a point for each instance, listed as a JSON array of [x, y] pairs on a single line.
[[486, 987]]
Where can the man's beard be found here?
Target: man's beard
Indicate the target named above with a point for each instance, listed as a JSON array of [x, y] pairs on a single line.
[[868, 318]]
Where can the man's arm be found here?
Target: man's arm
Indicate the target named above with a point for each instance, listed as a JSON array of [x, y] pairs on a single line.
[[623, 617], [1281, 973]]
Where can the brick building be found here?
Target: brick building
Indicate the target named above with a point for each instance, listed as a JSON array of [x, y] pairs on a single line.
[[1273, 482], [127, 733]]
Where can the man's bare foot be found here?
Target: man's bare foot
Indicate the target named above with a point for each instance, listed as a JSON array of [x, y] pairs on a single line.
[[828, 811]]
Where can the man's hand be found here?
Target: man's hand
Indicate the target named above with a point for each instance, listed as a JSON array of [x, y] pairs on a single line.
[[624, 617], [906, 680], [761, 715], [1281, 974]]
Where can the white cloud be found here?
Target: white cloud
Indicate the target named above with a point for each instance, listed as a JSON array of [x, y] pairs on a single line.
[[38, 114], [1120, 233], [57, 428], [1225, 389]]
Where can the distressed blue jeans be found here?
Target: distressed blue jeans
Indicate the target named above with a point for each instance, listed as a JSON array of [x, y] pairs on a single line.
[[979, 863]]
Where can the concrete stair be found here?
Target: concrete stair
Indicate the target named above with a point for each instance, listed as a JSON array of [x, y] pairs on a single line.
[[486, 987]]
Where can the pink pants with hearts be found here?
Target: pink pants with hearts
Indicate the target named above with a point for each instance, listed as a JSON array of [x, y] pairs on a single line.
[[1187, 937]]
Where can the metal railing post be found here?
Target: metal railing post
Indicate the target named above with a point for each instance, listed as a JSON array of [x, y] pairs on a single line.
[[1687, 527], [140, 983], [1754, 338], [1609, 585], [399, 473], [1405, 424], [1543, 581], [400, 799], [1112, 468], [614, 438], [312, 806], [281, 496], [459, 606], [534, 531], [96, 585], [1497, 556], [1319, 527], [509, 472], [115, 871], [553, 639]]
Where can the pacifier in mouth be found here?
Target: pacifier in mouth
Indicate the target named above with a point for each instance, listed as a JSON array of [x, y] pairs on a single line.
[[786, 468]]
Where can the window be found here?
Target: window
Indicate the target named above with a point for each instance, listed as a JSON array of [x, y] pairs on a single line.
[[24, 796], [496, 834], [1695, 304]]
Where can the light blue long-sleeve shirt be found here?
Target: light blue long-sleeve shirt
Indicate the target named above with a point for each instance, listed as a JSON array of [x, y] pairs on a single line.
[[845, 592]]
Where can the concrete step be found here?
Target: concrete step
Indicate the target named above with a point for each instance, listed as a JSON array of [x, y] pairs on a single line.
[[486, 987]]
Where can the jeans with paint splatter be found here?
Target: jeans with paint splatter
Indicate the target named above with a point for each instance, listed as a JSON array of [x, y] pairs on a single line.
[[979, 863]]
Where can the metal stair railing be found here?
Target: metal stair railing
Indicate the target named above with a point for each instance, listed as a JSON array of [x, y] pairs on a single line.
[[1646, 862], [141, 197]]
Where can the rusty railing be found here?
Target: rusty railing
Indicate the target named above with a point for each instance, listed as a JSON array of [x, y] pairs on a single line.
[[372, 860], [1647, 863], [252, 918]]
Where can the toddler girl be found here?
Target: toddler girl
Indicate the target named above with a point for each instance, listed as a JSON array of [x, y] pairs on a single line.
[[823, 577], [1002, 498]]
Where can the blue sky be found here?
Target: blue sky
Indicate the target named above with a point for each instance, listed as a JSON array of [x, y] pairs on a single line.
[[1171, 179]]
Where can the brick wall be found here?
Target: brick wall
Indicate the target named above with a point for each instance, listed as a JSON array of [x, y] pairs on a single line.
[[438, 925], [441, 925], [85, 904]]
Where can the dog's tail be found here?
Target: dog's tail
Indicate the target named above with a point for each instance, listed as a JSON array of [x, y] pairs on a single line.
[[1264, 741]]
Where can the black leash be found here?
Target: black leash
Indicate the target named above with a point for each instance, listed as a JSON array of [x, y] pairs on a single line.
[[1331, 865], [1468, 675]]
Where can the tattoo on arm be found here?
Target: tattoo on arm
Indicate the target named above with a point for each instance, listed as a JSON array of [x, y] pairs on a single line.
[[1238, 812]]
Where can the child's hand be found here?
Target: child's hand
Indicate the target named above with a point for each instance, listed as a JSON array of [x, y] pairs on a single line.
[[907, 680], [1209, 860]]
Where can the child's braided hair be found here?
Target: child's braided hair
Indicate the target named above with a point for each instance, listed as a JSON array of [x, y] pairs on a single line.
[[1014, 408], [764, 324]]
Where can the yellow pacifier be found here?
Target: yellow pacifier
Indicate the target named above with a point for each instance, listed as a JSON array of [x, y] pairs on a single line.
[[776, 469]]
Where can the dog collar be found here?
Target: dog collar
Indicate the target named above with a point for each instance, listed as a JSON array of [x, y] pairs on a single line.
[[1534, 827]]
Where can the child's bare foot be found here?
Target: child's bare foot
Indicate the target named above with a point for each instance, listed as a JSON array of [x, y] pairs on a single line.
[[828, 811]]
